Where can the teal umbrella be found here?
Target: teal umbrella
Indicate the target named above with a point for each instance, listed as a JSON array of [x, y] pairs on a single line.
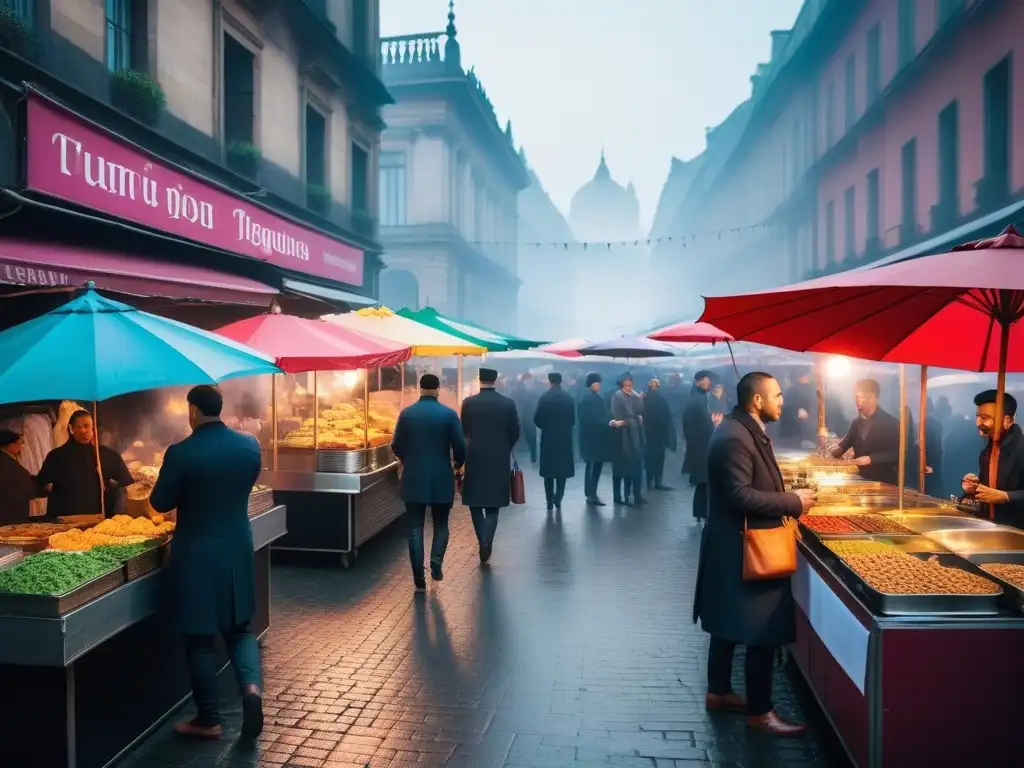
[[93, 348], [471, 332]]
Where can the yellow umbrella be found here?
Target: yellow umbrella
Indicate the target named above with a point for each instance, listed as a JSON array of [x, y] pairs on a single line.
[[424, 340]]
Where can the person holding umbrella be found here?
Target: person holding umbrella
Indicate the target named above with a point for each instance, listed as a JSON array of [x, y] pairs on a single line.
[[555, 417], [627, 410], [1005, 493]]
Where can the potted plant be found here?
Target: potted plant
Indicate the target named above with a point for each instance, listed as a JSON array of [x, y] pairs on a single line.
[[245, 158], [318, 198], [15, 33], [137, 94]]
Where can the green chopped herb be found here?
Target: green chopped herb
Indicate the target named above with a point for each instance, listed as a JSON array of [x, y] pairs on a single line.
[[56, 573]]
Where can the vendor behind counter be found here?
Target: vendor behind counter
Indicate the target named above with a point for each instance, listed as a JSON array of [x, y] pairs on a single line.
[[17, 486], [70, 479]]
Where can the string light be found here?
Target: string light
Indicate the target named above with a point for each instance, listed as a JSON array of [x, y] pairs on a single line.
[[681, 240]]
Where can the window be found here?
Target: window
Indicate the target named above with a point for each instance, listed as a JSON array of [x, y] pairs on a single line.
[[907, 31], [908, 197], [872, 222], [360, 180], [997, 129], [392, 189], [317, 196], [874, 63], [830, 115], [239, 93], [22, 9], [851, 91], [944, 9], [849, 223], [360, 28], [830, 234], [949, 159], [119, 34]]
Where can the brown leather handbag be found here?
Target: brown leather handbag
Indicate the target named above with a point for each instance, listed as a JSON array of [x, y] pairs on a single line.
[[769, 553], [517, 485]]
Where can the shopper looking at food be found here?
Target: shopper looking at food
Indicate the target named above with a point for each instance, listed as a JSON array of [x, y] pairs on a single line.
[[17, 486], [207, 478], [874, 436], [1003, 499]]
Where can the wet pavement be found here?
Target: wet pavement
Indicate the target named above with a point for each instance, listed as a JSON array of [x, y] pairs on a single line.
[[574, 648]]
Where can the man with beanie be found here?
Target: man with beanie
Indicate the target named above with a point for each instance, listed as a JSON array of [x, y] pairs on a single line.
[[555, 417], [596, 437], [491, 426], [17, 486], [428, 440]]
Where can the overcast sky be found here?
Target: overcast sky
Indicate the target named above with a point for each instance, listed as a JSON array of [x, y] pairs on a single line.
[[642, 77]]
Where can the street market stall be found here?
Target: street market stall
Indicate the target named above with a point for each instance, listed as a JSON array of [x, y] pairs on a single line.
[[909, 619], [84, 644], [334, 467]]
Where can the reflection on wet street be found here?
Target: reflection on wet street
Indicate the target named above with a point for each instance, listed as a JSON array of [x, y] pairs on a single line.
[[574, 648]]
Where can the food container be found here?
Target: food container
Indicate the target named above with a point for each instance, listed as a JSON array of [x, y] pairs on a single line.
[[55, 606], [1013, 592], [260, 500], [381, 456], [911, 545], [922, 604], [344, 462], [146, 561], [926, 523], [10, 556], [81, 521], [970, 541]]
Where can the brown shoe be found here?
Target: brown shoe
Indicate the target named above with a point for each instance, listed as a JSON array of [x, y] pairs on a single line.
[[725, 702], [774, 725], [193, 730]]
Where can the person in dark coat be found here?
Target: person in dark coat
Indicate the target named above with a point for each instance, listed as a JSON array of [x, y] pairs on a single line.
[[428, 439], [874, 437], [70, 479], [659, 436], [698, 426], [207, 478], [933, 432], [628, 468], [525, 397], [799, 423], [17, 486], [745, 489], [491, 426], [596, 435], [1002, 500], [555, 417]]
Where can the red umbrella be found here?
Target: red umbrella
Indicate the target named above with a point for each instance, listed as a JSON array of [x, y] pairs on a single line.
[[565, 348], [696, 333], [300, 345]]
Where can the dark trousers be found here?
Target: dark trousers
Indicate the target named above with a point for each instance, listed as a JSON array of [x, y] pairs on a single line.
[[417, 519], [591, 477], [700, 501], [201, 653], [485, 523], [624, 486], [529, 437], [757, 671], [554, 490], [655, 461]]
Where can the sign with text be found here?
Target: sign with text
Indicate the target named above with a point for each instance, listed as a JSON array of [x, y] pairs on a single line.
[[75, 161]]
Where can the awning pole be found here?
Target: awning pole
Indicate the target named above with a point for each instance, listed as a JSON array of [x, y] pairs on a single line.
[[922, 453], [901, 470], [273, 410]]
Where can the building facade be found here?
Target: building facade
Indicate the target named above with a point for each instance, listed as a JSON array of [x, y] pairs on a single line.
[[236, 135], [879, 130], [548, 254], [449, 181]]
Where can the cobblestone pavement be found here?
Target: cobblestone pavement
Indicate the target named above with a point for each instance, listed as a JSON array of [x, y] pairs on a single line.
[[573, 649]]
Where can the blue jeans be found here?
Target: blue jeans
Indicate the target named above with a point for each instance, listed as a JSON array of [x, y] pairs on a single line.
[[417, 519], [201, 652], [485, 523]]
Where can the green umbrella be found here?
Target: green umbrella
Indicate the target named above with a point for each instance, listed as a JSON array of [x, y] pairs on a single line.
[[471, 332]]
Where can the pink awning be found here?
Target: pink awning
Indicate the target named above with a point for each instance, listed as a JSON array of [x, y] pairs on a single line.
[[46, 265]]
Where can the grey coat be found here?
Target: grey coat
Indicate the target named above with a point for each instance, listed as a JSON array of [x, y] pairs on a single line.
[[491, 426], [743, 482]]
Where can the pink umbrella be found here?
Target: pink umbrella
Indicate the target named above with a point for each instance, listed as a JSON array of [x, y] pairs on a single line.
[[566, 348], [695, 333]]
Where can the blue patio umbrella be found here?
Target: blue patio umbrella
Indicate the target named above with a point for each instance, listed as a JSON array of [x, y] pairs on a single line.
[[94, 348]]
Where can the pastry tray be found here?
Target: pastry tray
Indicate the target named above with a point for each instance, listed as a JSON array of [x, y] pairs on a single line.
[[147, 561], [926, 605], [260, 501], [55, 606], [1014, 593]]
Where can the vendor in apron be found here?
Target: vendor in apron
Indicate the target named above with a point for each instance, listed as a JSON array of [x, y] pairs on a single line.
[[70, 478], [17, 486]]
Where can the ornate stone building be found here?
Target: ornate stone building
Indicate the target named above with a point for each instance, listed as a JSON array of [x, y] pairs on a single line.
[[449, 181]]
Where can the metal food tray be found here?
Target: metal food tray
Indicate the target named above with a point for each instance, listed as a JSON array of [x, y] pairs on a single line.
[[1014, 593], [10, 556], [965, 542], [344, 462], [927, 605], [260, 501], [925, 523], [910, 544], [147, 561], [55, 606]]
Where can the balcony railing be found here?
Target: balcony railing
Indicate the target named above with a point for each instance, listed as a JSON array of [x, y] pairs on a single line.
[[425, 50]]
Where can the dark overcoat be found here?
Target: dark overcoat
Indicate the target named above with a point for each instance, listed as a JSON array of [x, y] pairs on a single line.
[[744, 482], [555, 417], [697, 431], [17, 489], [71, 470], [491, 426], [596, 437], [629, 440], [208, 478], [1010, 477], [428, 439], [659, 434]]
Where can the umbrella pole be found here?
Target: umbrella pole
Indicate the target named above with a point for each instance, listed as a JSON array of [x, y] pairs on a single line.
[[316, 414], [997, 434], [401, 394], [458, 380], [901, 471], [922, 453], [273, 411], [366, 409], [732, 357], [99, 461], [819, 385]]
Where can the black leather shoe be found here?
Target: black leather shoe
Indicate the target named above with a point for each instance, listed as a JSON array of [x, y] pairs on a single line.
[[419, 581]]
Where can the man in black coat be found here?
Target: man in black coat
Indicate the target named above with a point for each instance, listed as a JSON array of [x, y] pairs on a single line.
[[745, 490], [525, 398], [491, 426], [596, 435], [1003, 500], [555, 417], [698, 427], [659, 436], [428, 440], [874, 437], [17, 485]]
